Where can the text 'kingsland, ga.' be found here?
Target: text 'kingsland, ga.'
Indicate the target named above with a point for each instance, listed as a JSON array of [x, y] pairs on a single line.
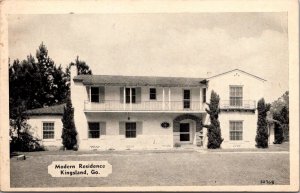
[[80, 169]]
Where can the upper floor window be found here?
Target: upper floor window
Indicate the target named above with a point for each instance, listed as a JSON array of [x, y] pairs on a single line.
[[48, 130], [186, 99], [95, 94], [204, 95], [236, 96], [152, 93], [236, 130], [94, 130], [130, 93]]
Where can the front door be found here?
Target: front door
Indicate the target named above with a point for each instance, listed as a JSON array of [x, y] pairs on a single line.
[[184, 132]]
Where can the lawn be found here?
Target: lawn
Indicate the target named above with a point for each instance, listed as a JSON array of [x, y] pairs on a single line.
[[155, 168]]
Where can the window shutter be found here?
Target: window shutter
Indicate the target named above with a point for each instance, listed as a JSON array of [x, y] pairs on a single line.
[[122, 94], [139, 128], [122, 128], [88, 92], [102, 94], [102, 128], [138, 95]]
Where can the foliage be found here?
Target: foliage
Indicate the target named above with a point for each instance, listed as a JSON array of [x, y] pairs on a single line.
[[214, 131], [38, 83], [69, 132], [262, 127], [24, 141], [34, 83], [281, 102], [280, 111], [82, 67]]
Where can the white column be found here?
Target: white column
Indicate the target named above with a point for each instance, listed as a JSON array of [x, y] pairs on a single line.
[[90, 93], [169, 98], [130, 98], [124, 98], [163, 105], [200, 105]]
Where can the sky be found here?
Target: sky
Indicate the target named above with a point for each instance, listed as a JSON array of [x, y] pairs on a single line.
[[166, 44]]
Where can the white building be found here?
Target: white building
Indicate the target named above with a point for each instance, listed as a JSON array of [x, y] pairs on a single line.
[[138, 112]]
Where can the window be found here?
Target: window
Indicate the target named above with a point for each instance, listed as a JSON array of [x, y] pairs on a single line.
[[94, 130], [133, 95], [95, 94], [204, 95], [236, 96], [48, 130], [130, 130], [186, 99], [152, 93], [236, 130]]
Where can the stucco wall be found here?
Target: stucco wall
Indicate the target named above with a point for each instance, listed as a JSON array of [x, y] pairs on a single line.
[[36, 123], [153, 135], [249, 129], [252, 87], [252, 90]]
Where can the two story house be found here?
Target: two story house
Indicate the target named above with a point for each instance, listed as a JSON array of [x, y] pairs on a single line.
[[140, 112]]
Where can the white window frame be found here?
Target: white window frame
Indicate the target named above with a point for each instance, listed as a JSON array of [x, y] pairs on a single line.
[[152, 94], [43, 130], [94, 130], [95, 94], [130, 130], [235, 132], [236, 98]]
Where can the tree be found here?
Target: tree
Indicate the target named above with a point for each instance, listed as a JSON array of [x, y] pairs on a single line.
[[214, 131], [280, 111], [33, 84], [82, 67], [262, 127], [69, 132]]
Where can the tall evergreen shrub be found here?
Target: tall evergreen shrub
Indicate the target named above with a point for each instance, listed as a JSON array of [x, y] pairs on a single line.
[[262, 127], [69, 132], [213, 130]]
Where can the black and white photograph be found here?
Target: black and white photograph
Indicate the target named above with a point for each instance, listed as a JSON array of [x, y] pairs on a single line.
[[149, 99]]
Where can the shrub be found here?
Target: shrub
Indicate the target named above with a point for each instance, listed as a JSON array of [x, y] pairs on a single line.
[[25, 142], [177, 145], [69, 132], [213, 130], [262, 127]]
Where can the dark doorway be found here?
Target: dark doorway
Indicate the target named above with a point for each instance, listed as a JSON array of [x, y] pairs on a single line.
[[184, 132]]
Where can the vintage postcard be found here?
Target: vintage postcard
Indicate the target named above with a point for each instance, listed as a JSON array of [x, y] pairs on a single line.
[[150, 95]]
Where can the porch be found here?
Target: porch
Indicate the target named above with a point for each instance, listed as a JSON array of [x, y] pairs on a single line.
[[145, 106]]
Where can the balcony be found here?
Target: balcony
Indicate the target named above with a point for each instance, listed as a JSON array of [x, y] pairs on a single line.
[[143, 106], [237, 105]]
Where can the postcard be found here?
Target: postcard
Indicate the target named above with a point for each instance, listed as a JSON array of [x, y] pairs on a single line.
[[150, 95]]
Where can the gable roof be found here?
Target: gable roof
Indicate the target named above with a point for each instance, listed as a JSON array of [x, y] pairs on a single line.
[[239, 71], [137, 80], [52, 110]]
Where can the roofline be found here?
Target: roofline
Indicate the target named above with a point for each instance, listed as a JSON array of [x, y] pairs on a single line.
[[76, 77], [48, 114], [238, 70]]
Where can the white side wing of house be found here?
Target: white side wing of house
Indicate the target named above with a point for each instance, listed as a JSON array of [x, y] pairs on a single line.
[[253, 90]]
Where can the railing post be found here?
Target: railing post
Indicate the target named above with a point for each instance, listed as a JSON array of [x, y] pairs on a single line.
[[200, 106], [124, 98], [163, 105], [130, 93], [169, 98]]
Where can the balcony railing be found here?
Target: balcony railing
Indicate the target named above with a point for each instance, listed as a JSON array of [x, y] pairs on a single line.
[[113, 105], [240, 104]]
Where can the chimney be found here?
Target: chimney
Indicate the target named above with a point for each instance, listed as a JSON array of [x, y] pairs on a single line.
[[208, 74]]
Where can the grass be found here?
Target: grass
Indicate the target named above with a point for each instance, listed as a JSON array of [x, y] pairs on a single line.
[[155, 168]]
